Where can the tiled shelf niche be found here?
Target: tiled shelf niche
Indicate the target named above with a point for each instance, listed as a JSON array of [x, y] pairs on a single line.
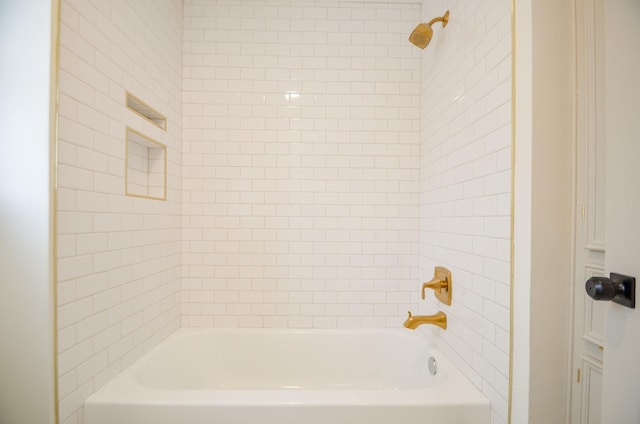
[[146, 167], [145, 111]]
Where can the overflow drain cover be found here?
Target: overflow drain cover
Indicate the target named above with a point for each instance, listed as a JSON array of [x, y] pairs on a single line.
[[433, 367]]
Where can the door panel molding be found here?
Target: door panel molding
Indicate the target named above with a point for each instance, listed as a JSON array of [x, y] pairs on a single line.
[[591, 391], [592, 131]]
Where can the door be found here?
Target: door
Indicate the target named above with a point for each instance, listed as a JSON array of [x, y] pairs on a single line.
[[621, 376]]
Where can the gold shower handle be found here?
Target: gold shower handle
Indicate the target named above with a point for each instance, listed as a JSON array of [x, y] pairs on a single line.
[[436, 285], [441, 284]]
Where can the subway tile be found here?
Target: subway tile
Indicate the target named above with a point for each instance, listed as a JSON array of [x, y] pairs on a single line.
[[275, 322], [92, 367], [324, 322], [74, 356], [70, 407], [300, 322]]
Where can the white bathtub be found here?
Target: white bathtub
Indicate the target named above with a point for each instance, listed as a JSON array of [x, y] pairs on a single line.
[[206, 376]]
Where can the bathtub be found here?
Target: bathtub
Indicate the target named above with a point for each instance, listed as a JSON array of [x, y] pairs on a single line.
[[243, 376]]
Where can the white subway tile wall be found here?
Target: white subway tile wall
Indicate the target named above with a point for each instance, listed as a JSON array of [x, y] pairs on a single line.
[[118, 257], [319, 167], [300, 180], [465, 186]]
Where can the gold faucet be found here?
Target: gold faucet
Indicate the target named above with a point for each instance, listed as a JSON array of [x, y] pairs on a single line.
[[439, 319]]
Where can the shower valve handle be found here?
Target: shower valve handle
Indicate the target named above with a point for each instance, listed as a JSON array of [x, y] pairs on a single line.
[[440, 284]]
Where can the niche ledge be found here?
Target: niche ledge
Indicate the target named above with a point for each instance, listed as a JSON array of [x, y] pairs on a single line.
[[145, 111], [146, 167]]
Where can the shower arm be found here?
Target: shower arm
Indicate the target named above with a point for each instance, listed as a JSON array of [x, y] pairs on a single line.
[[444, 19], [440, 19]]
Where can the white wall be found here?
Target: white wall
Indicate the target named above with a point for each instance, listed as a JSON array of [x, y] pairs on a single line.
[[118, 256], [300, 163], [26, 261], [465, 187]]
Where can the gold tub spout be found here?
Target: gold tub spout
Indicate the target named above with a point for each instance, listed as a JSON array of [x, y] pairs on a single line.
[[439, 319]]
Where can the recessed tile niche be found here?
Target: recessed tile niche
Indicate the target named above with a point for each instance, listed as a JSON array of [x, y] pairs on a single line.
[[145, 111], [146, 167]]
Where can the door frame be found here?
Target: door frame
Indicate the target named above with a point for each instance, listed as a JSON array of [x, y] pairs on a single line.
[[588, 217], [544, 133]]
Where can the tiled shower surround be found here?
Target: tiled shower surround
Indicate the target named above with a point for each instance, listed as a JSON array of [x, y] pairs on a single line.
[[118, 256], [319, 166], [465, 186]]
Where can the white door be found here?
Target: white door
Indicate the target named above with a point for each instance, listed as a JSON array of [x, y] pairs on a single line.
[[621, 376]]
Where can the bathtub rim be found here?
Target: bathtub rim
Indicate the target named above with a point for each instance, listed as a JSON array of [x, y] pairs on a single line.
[[125, 389]]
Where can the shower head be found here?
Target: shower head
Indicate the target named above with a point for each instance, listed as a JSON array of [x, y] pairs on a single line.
[[421, 36]]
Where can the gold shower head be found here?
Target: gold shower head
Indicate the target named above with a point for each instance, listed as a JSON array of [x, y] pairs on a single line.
[[421, 36]]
